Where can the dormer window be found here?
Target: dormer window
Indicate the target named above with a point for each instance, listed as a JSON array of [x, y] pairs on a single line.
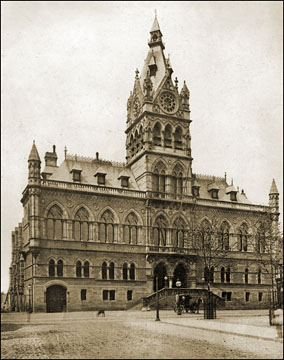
[[214, 194], [76, 174], [233, 196], [213, 189], [195, 191], [101, 178], [124, 181]]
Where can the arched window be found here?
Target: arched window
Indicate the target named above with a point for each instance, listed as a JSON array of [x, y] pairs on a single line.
[[132, 145], [211, 274], [260, 239], [177, 180], [206, 274], [111, 271], [125, 271], [160, 231], [178, 138], [104, 271], [224, 236], [243, 238], [168, 136], [246, 276], [259, 276], [159, 179], [78, 269], [157, 134], [86, 269], [205, 235], [179, 233], [54, 223], [222, 274], [132, 272], [59, 268], [228, 275], [106, 232], [81, 227], [51, 268], [131, 229]]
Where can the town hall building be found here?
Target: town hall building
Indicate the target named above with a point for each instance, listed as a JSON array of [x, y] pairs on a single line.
[[101, 234]]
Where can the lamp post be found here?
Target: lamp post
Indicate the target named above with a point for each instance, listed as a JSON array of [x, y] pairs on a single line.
[[30, 303], [157, 299], [178, 285]]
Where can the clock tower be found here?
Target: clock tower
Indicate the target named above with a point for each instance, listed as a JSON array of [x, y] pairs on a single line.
[[158, 149]]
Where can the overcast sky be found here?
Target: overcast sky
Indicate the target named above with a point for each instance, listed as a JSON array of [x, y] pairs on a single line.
[[68, 68]]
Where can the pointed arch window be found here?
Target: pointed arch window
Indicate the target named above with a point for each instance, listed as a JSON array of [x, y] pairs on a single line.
[[86, 269], [168, 136], [54, 223], [224, 236], [132, 272], [205, 235], [228, 275], [178, 138], [131, 229], [211, 274], [260, 239], [206, 274], [81, 225], [78, 269], [159, 179], [60, 268], [160, 231], [259, 276], [246, 276], [106, 226], [157, 134], [104, 270], [51, 268], [177, 180], [111, 271], [125, 271], [179, 233], [243, 238], [222, 275]]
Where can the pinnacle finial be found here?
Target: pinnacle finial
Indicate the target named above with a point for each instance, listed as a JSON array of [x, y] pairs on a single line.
[[273, 189], [176, 82], [136, 74], [156, 12], [65, 151]]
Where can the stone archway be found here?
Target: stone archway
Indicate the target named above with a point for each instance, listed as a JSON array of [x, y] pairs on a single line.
[[160, 272], [180, 273], [55, 298]]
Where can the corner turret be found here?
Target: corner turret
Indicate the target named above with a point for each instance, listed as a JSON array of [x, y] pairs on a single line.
[[274, 199], [34, 166]]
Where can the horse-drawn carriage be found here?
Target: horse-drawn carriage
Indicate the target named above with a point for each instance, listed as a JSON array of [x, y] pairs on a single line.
[[186, 303]]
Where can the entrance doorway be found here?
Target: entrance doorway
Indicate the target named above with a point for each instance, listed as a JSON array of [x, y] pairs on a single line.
[[160, 272], [180, 274], [55, 299]]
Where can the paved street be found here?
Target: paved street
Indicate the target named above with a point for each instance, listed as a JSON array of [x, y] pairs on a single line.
[[136, 334]]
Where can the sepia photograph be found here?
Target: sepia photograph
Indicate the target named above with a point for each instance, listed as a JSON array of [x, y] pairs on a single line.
[[141, 180]]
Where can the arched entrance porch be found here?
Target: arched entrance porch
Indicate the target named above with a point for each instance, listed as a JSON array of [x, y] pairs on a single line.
[[180, 273], [160, 272], [55, 298]]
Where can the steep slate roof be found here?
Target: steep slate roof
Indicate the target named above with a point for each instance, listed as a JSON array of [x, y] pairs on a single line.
[[273, 189], [34, 153], [204, 181], [89, 168]]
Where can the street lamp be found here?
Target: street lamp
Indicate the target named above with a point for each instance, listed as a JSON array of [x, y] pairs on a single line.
[[30, 291], [157, 297], [157, 300]]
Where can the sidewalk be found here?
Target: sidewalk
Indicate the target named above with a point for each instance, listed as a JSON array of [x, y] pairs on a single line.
[[248, 323]]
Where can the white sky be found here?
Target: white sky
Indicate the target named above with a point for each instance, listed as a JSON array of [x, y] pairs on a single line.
[[68, 68]]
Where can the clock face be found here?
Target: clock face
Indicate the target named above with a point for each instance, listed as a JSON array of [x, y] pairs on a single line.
[[168, 102]]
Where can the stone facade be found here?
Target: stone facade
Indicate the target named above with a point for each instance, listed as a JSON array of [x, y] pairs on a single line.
[[98, 234]]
